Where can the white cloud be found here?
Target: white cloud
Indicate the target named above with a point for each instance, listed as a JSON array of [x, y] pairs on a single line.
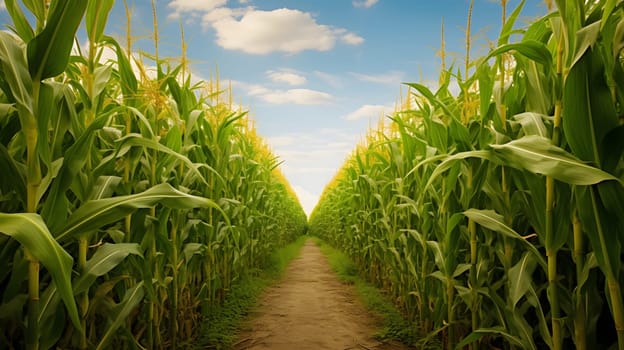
[[298, 96], [280, 97], [352, 39], [368, 112], [193, 7], [287, 76], [2, 5], [281, 30], [389, 78], [223, 13], [365, 3], [261, 32]]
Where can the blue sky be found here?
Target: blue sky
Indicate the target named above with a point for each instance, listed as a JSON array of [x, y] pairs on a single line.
[[315, 74]]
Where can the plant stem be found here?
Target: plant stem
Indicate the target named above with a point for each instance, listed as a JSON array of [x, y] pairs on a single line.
[[174, 284], [84, 297], [32, 330], [554, 300], [580, 331], [33, 181]]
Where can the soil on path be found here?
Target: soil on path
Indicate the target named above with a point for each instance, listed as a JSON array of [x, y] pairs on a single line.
[[311, 309]]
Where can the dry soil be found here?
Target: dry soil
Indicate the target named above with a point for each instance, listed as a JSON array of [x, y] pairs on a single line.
[[311, 309]]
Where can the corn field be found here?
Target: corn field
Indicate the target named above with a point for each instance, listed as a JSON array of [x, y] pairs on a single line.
[[494, 217], [131, 198]]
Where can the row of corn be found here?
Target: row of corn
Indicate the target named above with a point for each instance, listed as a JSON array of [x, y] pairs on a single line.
[[495, 217], [131, 198]]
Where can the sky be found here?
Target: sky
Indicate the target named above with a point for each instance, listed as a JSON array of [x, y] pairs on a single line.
[[315, 74]]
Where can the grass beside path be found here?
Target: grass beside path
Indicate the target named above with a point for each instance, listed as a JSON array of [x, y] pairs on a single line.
[[395, 327], [222, 323]]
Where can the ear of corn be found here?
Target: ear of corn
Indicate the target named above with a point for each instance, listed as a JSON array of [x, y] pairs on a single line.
[[129, 201], [494, 218]]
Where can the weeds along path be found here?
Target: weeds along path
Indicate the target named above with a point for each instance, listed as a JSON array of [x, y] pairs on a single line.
[[310, 309]]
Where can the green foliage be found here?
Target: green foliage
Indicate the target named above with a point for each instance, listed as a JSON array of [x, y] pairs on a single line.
[[129, 203], [494, 217]]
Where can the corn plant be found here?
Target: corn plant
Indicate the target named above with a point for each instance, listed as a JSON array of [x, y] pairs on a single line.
[[502, 204], [129, 201]]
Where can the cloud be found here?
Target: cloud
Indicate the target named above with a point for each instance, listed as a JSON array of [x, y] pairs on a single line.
[[281, 97], [281, 30], [365, 3], [389, 78], [192, 7], [351, 39], [298, 96], [259, 32], [2, 5], [287, 76], [368, 112]]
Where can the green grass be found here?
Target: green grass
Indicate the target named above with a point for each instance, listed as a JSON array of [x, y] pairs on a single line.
[[394, 325], [222, 323]]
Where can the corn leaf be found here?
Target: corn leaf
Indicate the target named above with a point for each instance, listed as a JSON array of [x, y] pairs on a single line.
[[537, 155], [15, 71], [30, 230], [22, 27], [106, 258], [494, 221], [131, 300], [96, 16], [96, 213], [48, 52]]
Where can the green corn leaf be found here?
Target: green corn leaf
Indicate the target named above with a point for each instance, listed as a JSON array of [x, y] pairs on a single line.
[[537, 155], [52, 319], [585, 38], [520, 278], [55, 207], [96, 213], [129, 83], [48, 52], [37, 8], [96, 17], [11, 179], [22, 27], [131, 300], [608, 9], [30, 230], [482, 332], [590, 110], [135, 140], [494, 221], [449, 161], [15, 71], [106, 258], [532, 123], [533, 50], [191, 249], [603, 231], [507, 29]]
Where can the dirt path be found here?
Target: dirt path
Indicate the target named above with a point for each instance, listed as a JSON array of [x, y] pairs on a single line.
[[310, 309]]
